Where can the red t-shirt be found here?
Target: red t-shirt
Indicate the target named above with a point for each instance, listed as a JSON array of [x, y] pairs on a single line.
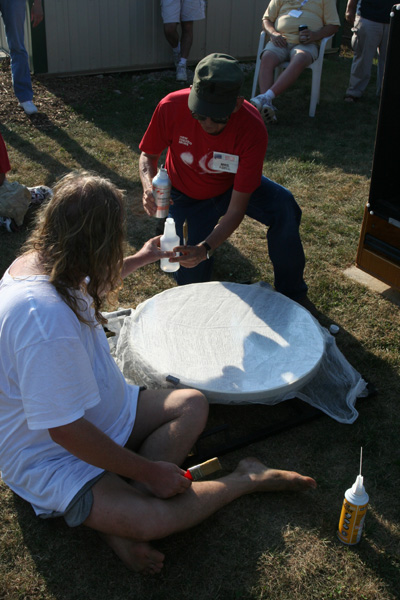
[[4, 162], [190, 149]]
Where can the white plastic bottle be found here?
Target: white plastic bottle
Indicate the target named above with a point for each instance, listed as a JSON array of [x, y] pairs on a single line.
[[162, 192], [168, 241], [353, 513]]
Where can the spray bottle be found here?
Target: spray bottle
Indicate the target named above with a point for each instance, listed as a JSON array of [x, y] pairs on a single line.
[[162, 192], [353, 513], [168, 241]]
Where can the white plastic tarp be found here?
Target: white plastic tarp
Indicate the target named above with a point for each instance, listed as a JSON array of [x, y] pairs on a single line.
[[238, 344]]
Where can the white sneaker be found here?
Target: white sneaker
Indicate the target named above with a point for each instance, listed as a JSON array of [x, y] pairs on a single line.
[[265, 108], [258, 101], [28, 107], [6, 222], [40, 193], [268, 113], [181, 74]]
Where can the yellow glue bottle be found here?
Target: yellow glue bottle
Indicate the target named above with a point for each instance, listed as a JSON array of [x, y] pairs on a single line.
[[353, 513]]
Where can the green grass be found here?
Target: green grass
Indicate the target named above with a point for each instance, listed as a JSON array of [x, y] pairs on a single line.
[[264, 546]]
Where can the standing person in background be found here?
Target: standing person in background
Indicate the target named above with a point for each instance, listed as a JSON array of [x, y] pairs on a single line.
[[184, 12], [370, 22], [13, 14]]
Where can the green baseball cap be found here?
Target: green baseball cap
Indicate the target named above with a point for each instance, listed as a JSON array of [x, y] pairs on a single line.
[[217, 82]]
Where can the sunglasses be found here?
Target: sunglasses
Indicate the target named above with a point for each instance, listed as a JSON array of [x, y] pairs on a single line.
[[220, 121]]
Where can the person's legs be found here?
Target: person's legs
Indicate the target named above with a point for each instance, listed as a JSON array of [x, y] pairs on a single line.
[[129, 520], [365, 40], [186, 38], [299, 57], [168, 423], [202, 216], [299, 61], [275, 207], [13, 13]]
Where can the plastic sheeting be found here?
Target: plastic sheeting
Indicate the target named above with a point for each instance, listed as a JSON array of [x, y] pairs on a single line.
[[238, 344]]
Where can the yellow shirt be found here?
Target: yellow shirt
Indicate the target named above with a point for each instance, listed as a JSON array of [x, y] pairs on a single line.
[[314, 13]]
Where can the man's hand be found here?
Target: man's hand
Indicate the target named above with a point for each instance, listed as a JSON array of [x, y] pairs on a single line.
[[307, 36], [166, 480], [36, 13], [149, 204], [190, 256], [278, 40]]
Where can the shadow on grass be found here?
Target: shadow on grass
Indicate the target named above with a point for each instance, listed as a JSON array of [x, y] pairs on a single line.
[[327, 139]]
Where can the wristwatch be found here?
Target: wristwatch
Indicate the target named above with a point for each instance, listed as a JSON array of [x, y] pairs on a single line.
[[208, 248]]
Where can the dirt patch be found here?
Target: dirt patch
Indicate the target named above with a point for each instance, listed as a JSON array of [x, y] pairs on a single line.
[[51, 95]]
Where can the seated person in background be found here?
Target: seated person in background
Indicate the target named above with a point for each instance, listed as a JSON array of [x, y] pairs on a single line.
[[281, 21], [75, 439]]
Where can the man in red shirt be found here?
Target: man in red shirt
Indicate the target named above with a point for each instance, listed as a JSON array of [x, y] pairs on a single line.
[[216, 146]]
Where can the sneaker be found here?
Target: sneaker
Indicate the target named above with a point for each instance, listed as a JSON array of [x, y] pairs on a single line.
[[265, 107], [28, 107], [181, 74], [39, 194], [8, 224], [258, 101], [268, 113]]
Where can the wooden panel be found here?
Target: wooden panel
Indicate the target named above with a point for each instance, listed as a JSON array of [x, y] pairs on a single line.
[[377, 263]]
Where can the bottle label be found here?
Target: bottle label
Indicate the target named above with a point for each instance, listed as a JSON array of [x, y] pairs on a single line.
[[162, 197], [351, 522]]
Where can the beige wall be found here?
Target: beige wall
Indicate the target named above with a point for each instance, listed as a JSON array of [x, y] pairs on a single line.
[[115, 35]]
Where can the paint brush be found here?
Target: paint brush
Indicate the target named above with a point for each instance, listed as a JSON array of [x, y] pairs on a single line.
[[206, 468], [185, 233]]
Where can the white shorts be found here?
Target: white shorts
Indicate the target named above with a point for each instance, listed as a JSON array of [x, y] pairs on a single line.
[[176, 11]]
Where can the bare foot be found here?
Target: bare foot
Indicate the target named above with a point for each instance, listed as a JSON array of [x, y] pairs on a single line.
[[273, 480], [137, 556]]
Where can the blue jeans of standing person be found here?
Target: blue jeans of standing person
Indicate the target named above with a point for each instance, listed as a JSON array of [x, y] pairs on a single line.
[[270, 204], [13, 13]]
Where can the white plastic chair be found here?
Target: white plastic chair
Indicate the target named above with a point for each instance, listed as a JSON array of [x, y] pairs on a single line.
[[316, 68]]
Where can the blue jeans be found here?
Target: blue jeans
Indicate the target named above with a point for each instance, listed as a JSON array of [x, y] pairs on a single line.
[[13, 13], [270, 204]]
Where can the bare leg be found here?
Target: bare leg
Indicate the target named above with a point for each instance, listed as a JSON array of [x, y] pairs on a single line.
[[187, 38], [297, 64], [171, 34], [168, 423], [266, 77], [129, 520]]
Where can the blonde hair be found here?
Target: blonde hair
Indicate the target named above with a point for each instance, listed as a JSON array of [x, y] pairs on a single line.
[[79, 239]]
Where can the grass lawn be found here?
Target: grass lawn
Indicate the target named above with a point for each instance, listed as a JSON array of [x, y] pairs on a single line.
[[266, 547]]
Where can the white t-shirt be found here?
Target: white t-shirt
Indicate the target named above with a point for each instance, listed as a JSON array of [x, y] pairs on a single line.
[[53, 370]]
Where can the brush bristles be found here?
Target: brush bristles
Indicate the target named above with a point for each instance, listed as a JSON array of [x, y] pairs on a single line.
[[205, 468]]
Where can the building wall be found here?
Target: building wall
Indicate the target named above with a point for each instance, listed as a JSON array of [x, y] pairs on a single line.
[[88, 36]]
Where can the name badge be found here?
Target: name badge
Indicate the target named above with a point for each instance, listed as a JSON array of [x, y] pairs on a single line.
[[296, 13], [225, 162]]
